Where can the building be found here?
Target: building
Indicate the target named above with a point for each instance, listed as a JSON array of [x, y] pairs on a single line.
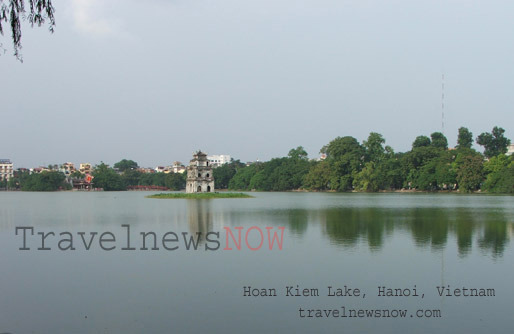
[[85, 168], [510, 149], [147, 170], [218, 160], [67, 168], [178, 167], [199, 174], [161, 169], [6, 169], [38, 170]]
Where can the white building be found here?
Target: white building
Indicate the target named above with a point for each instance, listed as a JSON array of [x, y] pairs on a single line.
[[161, 169], [510, 149], [85, 168], [218, 160], [6, 169], [67, 168], [178, 167]]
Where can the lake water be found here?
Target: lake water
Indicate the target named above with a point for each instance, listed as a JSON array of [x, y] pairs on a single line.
[[413, 242]]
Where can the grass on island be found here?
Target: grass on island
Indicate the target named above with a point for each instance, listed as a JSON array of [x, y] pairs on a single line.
[[200, 195]]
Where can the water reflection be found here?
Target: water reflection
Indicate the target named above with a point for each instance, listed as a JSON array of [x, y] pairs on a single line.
[[199, 217], [429, 227]]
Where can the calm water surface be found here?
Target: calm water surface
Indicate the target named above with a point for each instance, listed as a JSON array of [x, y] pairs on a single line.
[[359, 240]]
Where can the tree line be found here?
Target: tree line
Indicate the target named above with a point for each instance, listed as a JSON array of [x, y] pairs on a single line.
[[373, 166], [370, 166], [122, 175]]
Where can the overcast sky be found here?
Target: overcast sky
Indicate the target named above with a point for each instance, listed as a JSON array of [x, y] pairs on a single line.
[[152, 81]]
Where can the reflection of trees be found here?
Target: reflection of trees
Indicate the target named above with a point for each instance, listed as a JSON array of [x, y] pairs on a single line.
[[347, 225], [495, 235], [199, 217], [429, 227], [464, 231], [298, 221]]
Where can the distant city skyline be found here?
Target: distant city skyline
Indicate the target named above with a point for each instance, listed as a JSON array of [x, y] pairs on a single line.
[[157, 81]]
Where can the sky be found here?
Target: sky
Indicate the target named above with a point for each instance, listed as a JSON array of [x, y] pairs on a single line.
[[155, 80]]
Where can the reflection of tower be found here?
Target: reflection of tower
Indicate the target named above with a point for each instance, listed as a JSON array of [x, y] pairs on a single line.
[[199, 216], [199, 174]]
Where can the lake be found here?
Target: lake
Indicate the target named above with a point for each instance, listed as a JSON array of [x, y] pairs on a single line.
[[363, 246]]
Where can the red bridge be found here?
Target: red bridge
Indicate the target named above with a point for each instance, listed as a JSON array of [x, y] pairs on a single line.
[[146, 188]]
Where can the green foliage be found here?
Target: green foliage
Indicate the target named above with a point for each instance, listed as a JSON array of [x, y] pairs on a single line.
[[106, 178], [152, 179], [19, 178], [374, 147], [369, 167], [175, 181], [497, 163], [470, 174], [125, 164], [346, 158], [421, 141], [243, 176], [438, 173], [500, 175], [318, 177], [224, 173], [439, 140], [420, 156], [77, 175], [465, 138], [367, 179], [14, 12], [298, 153], [131, 177], [494, 143], [342, 147], [278, 174], [44, 181]]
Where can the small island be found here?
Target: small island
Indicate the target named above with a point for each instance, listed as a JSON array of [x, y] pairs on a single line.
[[200, 195]]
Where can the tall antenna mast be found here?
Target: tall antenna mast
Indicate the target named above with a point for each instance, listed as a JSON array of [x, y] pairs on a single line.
[[442, 104]]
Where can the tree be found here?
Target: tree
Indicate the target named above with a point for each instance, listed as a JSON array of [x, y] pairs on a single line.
[[318, 177], [175, 181], [421, 141], [13, 11], [131, 177], [342, 146], [373, 145], [77, 175], [45, 181], [107, 178], [345, 156], [367, 179], [439, 140], [465, 138], [469, 172], [241, 181], [224, 173], [125, 164], [500, 174], [298, 153], [494, 143]]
